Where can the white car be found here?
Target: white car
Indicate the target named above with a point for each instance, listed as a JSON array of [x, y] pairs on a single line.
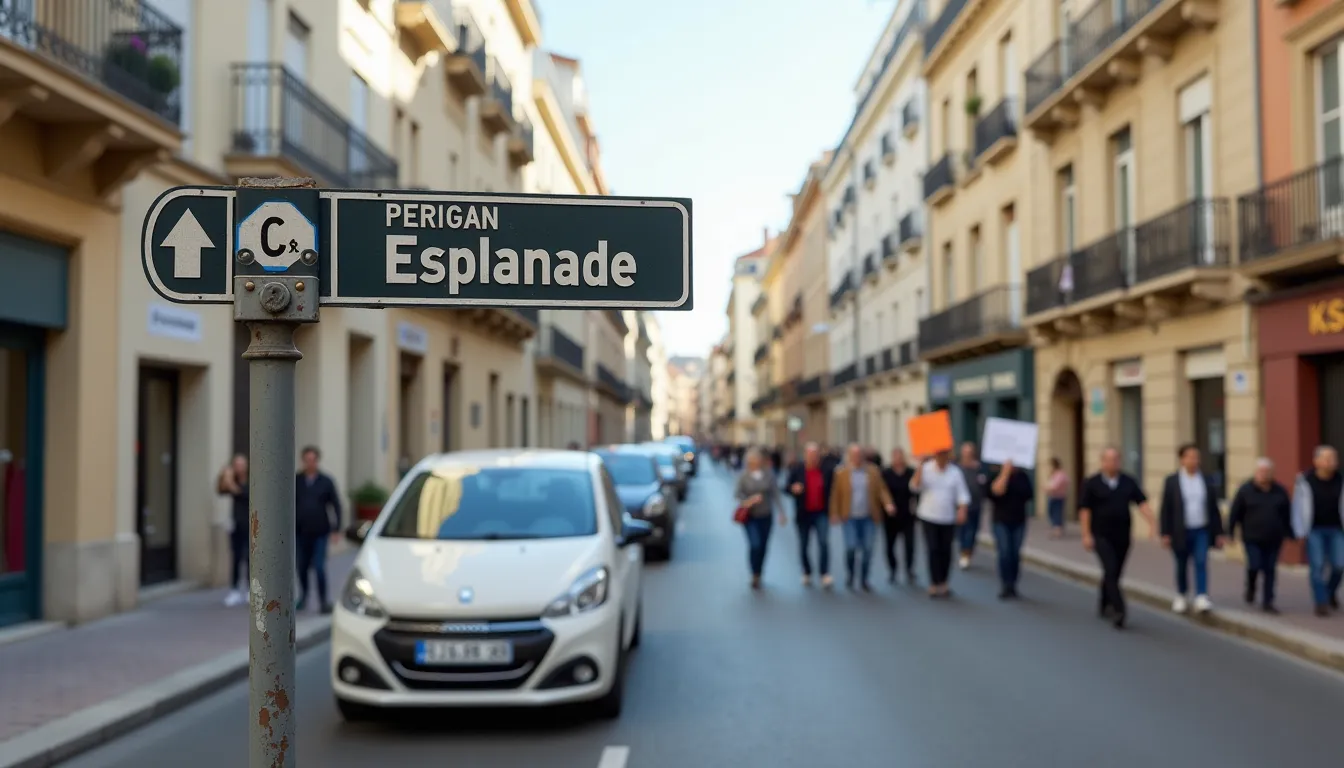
[[492, 578]]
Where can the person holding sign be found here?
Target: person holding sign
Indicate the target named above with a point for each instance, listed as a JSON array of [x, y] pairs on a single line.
[[1011, 491], [858, 500], [1104, 515], [943, 499]]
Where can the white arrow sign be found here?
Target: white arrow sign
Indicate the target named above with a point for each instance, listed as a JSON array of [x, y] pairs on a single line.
[[187, 239]]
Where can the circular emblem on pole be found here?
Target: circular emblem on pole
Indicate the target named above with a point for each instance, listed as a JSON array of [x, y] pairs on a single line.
[[277, 235], [465, 595]]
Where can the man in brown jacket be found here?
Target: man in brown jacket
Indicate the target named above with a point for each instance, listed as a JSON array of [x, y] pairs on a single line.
[[859, 499]]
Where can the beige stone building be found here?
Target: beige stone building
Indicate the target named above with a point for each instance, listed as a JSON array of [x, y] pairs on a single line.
[[687, 380], [638, 377], [720, 381], [660, 384], [1142, 338], [768, 359], [747, 349], [610, 395], [805, 243]]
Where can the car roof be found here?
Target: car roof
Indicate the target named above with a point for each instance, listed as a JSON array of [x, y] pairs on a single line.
[[641, 450], [529, 458]]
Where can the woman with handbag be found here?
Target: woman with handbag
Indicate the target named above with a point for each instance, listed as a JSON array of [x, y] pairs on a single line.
[[757, 495]]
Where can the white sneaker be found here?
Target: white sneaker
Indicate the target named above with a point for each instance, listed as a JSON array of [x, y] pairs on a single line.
[[1203, 604], [1179, 605], [233, 598], [964, 562]]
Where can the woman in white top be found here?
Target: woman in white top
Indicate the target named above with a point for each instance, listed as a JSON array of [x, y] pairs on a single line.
[[943, 499]]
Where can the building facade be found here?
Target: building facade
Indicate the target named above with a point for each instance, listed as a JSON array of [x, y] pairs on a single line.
[[805, 243], [977, 188], [660, 386], [768, 315], [1142, 337], [638, 377], [744, 331], [688, 380], [719, 392]]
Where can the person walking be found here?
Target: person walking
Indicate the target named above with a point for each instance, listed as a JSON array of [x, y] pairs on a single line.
[[1056, 496], [810, 486], [1105, 518], [977, 482], [1191, 524], [233, 483], [1318, 517], [1264, 512], [758, 491], [900, 524], [1010, 491], [858, 500], [317, 518], [943, 500]]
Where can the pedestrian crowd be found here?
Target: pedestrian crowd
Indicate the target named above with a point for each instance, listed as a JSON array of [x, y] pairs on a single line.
[[946, 500]]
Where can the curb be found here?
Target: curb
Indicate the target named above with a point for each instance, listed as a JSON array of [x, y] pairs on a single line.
[[95, 726], [1301, 643]]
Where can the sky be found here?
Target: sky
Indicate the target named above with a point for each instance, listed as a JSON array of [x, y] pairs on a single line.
[[726, 102]]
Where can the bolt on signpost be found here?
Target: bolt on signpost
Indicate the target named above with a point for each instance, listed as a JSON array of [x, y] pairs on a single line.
[[278, 249]]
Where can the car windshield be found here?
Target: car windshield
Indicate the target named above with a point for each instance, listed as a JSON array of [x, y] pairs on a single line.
[[468, 503], [630, 468]]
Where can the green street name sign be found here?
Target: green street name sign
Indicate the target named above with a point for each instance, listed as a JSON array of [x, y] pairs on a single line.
[[424, 249]]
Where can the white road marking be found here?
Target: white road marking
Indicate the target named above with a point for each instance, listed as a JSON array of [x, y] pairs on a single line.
[[614, 757]]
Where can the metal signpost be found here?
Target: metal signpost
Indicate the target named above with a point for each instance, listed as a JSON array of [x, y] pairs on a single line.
[[278, 249]]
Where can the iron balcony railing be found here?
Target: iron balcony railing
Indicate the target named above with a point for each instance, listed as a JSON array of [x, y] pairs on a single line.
[[870, 365], [888, 144], [1302, 209], [1046, 286], [1195, 234], [762, 352], [888, 358], [999, 123], [935, 31], [812, 387], [845, 375], [889, 244], [566, 349], [938, 176], [275, 114], [613, 382], [869, 264], [850, 196], [1102, 266], [530, 314], [910, 114], [526, 133], [910, 227], [842, 290], [500, 87], [469, 38], [1087, 38], [127, 46], [869, 172], [908, 352], [997, 310]]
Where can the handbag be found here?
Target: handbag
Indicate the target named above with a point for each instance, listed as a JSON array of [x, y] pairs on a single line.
[[741, 514]]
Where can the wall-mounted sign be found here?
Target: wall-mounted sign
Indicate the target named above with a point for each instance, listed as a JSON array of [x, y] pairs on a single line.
[[1325, 317], [174, 323], [940, 386], [412, 338], [1128, 373], [1098, 401], [1240, 382]]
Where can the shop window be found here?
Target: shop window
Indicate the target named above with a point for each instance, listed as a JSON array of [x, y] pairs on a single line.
[[1211, 430], [1330, 373], [1131, 430]]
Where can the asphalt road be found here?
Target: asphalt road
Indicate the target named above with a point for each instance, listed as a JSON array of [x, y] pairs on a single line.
[[792, 677]]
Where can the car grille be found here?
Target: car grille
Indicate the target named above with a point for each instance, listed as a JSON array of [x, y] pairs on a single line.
[[396, 642]]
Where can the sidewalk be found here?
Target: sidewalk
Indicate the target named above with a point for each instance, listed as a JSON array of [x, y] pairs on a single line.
[[70, 690], [1150, 578]]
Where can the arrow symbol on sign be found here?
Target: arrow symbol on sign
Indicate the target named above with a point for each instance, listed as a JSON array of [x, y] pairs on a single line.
[[187, 239]]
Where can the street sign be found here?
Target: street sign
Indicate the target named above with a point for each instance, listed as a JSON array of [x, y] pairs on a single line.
[[424, 249]]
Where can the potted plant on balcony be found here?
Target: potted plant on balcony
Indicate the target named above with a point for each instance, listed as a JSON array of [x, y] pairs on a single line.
[[129, 59], [162, 74], [973, 105], [368, 500]]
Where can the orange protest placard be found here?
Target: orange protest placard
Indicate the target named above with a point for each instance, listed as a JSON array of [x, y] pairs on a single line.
[[930, 433]]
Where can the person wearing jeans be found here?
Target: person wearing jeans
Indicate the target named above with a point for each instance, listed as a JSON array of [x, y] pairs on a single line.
[[1318, 516], [1263, 511], [858, 501], [1190, 523], [317, 517], [977, 482], [809, 484], [1011, 491], [759, 493], [943, 498], [1056, 496]]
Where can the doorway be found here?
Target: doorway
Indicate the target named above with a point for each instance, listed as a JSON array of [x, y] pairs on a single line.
[[451, 403], [156, 474], [409, 409], [1330, 372], [1066, 402], [21, 388], [972, 422]]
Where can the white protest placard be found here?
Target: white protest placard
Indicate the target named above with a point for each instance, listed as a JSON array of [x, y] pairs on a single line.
[[1008, 440]]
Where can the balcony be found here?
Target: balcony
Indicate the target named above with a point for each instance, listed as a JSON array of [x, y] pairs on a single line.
[[996, 133], [758, 306], [767, 399], [513, 325], [419, 21], [869, 175], [985, 323], [890, 247], [561, 354], [521, 143], [939, 27], [812, 387], [911, 232], [99, 80], [1292, 230], [845, 375], [940, 181], [870, 266], [466, 67], [762, 352], [282, 128], [910, 118], [1104, 49], [497, 105], [1172, 264], [888, 149], [842, 291], [611, 384], [850, 196], [870, 365], [907, 353]]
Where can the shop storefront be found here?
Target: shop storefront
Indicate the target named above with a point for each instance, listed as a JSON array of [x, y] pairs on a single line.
[[1001, 385], [1301, 342]]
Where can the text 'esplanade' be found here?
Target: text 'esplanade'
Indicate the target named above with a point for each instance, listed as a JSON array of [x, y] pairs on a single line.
[[408, 264]]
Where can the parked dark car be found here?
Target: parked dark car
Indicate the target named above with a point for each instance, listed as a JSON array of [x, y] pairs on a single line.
[[634, 471], [690, 453], [671, 466]]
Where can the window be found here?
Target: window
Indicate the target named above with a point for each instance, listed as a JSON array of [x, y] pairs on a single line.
[[359, 121], [1124, 195], [414, 154], [949, 281], [1330, 124], [471, 503], [1068, 211], [1195, 103], [977, 270], [1008, 72], [1012, 253], [296, 47]]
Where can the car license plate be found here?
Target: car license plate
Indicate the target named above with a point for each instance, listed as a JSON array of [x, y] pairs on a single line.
[[478, 652]]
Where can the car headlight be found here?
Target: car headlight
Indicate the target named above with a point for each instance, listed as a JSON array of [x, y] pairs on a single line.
[[656, 505], [690, 456], [358, 597], [588, 592]]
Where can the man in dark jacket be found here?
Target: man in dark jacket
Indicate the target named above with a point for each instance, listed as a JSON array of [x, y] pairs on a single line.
[[1263, 511], [1190, 523], [900, 525], [1010, 491], [809, 483], [317, 517]]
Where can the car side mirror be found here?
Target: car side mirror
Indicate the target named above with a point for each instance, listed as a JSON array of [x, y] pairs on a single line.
[[357, 533], [633, 532]]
